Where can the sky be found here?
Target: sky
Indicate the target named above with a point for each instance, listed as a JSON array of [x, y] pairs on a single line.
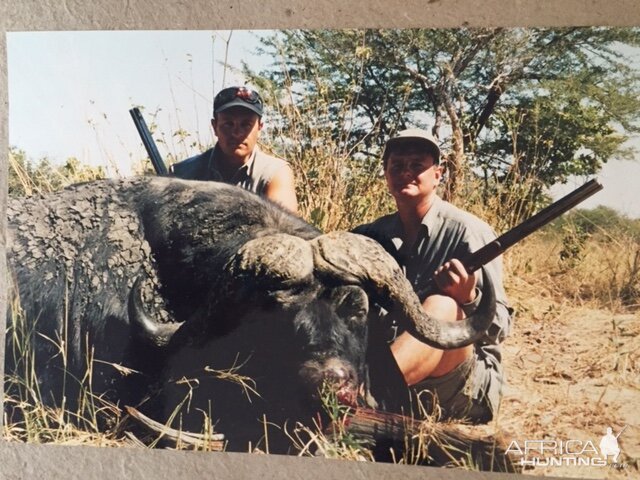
[[70, 92], [70, 95]]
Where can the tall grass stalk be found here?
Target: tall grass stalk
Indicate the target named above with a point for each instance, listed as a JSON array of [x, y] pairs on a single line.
[[337, 183], [29, 416]]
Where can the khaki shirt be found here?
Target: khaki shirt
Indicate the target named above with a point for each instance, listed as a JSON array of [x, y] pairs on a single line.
[[448, 232], [254, 175]]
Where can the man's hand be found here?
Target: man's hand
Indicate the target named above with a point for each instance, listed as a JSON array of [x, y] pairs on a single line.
[[453, 280]]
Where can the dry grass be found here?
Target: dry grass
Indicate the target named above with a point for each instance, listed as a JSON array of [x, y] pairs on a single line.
[[28, 418], [334, 440], [572, 359], [603, 274], [28, 177]]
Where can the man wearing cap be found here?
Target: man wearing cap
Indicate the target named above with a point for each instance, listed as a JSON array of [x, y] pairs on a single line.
[[426, 236], [236, 158]]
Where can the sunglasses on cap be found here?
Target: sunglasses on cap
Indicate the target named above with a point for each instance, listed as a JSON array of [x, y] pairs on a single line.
[[238, 95]]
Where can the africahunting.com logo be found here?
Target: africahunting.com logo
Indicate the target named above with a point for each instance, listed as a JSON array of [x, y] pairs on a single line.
[[556, 453]]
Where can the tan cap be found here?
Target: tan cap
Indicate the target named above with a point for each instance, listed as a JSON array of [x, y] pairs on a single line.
[[412, 135]]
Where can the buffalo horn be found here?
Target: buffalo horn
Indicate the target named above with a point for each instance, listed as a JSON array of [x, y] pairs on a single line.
[[280, 260], [144, 328], [359, 260]]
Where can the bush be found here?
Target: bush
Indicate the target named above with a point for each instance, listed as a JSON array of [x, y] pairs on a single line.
[[27, 177]]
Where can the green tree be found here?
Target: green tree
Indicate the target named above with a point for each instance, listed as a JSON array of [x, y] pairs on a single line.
[[516, 104], [602, 220]]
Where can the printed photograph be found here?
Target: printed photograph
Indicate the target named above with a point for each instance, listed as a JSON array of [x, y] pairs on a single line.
[[408, 246]]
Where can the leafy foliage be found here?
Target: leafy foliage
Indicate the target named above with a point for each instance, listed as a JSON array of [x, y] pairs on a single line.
[[521, 106], [600, 220]]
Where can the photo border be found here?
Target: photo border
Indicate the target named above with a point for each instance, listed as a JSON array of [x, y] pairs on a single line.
[[52, 461]]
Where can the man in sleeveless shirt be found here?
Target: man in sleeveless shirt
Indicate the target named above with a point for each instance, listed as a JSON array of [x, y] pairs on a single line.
[[236, 158], [427, 236]]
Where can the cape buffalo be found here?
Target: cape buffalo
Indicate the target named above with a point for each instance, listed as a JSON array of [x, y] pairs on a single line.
[[178, 279]]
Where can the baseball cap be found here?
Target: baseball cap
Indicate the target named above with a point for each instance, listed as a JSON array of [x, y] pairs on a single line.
[[237, 97], [412, 135]]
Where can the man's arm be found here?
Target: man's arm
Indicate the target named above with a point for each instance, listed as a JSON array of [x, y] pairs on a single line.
[[477, 235], [281, 189]]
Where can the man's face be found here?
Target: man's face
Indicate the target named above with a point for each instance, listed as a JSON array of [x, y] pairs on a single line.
[[411, 174], [237, 130]]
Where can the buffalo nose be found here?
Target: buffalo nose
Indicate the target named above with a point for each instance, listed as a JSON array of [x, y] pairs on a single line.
[[339, 374]]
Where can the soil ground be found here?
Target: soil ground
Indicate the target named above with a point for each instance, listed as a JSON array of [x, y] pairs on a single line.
[[573, 372]]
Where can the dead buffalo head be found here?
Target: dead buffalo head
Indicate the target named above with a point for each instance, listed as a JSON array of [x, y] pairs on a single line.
[[327, 283], [290, 269]]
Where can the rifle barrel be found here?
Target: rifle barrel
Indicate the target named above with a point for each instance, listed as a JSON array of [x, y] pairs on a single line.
[[147, 140], [492, 250], [497, 247]]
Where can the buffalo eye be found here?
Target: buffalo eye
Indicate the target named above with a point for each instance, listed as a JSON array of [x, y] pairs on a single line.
[[352, 304]]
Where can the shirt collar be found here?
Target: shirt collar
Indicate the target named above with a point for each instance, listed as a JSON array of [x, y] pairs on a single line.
[[249, 166], [396, 229], [245, 170], [431, 222]]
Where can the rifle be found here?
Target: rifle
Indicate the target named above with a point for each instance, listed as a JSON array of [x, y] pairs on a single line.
[[156, 160], [620, 433], [496, 248]]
